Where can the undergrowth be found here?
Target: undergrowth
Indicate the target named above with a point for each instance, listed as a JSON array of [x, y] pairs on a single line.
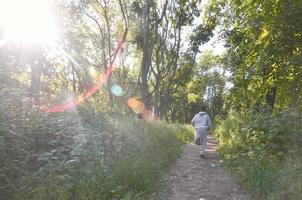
[[82, 154], [264, 152]]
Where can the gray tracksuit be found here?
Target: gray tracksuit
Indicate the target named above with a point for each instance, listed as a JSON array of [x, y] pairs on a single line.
[[201, 122]]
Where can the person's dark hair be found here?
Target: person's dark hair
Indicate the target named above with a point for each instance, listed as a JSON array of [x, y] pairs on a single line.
[[203, 108]]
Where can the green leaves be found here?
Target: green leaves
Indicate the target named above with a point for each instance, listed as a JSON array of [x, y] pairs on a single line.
[[261, 46], [256, 148], [83, 155]]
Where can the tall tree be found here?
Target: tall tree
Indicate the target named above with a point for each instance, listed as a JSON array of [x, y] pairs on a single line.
[[164, 58], [264, 40]]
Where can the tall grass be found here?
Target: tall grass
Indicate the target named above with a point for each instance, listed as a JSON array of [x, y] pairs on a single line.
[[264, 153], [84, 155]]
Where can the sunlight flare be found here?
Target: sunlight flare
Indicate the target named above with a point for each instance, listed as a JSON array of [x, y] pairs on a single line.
[[27, 21]]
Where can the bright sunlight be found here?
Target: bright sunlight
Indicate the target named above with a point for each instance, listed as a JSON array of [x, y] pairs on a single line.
[[26, 21]]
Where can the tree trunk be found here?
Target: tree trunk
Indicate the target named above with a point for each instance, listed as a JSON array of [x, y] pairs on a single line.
[[109, 82], [34, 58], [271, 97], [146, 60], [36, 73]]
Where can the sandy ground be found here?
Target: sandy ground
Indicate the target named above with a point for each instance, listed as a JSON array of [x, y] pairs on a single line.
[[201, 179]]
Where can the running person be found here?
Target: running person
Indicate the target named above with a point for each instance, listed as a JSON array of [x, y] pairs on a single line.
[[202, 123]]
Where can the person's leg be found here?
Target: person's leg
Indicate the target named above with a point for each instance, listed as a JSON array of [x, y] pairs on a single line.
[[197, 136], [203, 135]]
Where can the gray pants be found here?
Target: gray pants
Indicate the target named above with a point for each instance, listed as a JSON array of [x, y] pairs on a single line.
[[202, 133]]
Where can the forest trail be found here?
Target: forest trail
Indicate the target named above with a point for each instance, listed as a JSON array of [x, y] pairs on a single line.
[[192, 178]]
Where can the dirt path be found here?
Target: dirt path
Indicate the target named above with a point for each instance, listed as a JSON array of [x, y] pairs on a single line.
[[193, 178]]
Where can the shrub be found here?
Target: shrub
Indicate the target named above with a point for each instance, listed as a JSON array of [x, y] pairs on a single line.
[[82, 154], [258, 148]]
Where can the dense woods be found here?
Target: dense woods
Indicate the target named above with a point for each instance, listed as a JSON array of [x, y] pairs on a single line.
[[91, 91]]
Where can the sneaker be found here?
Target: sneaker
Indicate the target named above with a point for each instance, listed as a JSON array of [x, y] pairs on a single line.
[[197, 141], [202, 156]]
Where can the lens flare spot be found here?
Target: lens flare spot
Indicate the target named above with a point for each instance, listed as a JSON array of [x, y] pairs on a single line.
[[132, 103], [117, 90], [140, 108], [147, 115], [136, 105]]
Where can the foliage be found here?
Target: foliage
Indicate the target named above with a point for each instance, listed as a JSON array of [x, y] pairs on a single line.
[[167, 59], [81, 154], [264, 50], [261, 135], [100, 150], [260, 149], [206, 87]]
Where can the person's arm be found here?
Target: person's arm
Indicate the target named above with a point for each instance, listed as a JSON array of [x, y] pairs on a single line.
[[209, 122], [193, 121]]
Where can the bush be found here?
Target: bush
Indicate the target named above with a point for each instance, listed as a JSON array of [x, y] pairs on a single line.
[[258, 149], [82, 154]]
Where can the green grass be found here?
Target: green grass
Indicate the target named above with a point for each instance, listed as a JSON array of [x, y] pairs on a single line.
[[108, 158], [263, 153]]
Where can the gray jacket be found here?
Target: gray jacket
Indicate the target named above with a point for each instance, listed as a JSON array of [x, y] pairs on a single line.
[[201, 120]]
